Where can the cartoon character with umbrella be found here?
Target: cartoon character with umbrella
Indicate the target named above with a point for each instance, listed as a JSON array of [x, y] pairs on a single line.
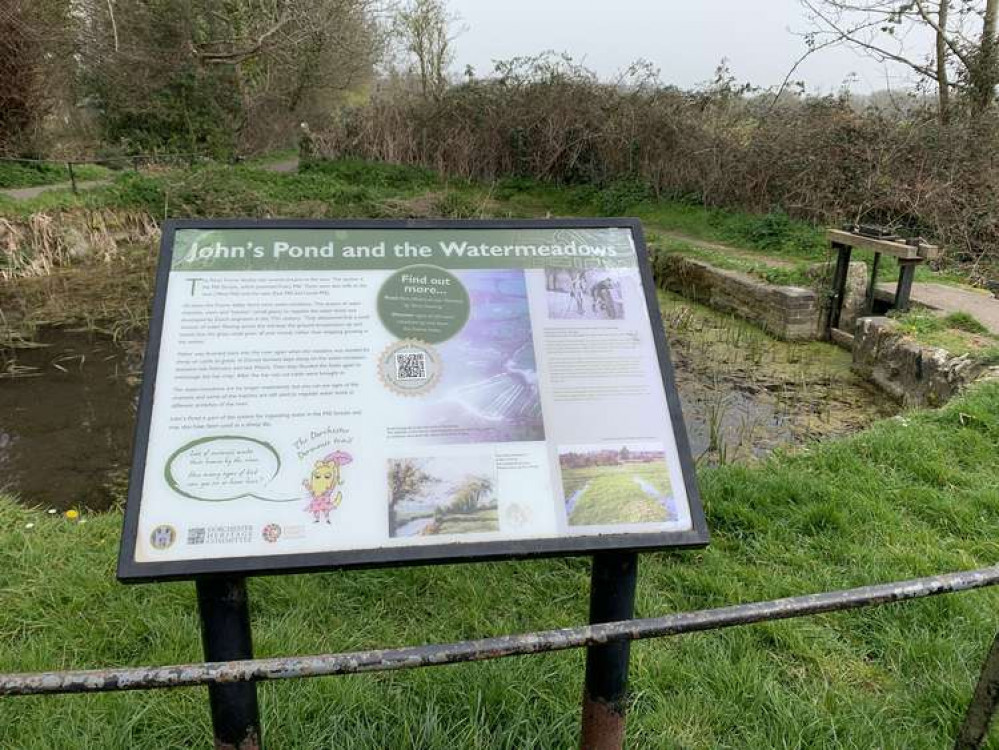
[[323, 482]]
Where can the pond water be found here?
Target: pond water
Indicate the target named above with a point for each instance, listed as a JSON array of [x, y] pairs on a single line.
[[67, 407], [744, 393], [67, 411]]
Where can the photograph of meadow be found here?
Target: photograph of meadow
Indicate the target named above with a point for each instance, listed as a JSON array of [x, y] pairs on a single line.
[[442, 496], [578, 294], [606, 486]]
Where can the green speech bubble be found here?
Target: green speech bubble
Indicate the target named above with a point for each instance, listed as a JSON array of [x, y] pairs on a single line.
[[222, 468]]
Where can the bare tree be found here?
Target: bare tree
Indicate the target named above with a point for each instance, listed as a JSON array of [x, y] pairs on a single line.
[[424, 29], [964, 56], [33, 76], [943, 78], [260, 66]]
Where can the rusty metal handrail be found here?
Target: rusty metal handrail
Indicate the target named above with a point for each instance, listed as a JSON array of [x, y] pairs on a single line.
[[282, 668]]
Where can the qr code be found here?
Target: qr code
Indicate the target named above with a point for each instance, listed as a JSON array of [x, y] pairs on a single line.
[[411, 366], [196, 536]]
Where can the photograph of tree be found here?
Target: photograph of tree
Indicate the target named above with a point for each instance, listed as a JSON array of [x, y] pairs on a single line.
[[577, 294], [608, 486], [442, 496]]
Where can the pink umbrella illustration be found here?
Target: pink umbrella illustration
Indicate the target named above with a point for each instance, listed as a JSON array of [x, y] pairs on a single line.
[[340, 458]]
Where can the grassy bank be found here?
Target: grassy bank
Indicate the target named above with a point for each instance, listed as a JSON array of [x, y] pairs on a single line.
[[770, 246], [612, 495], [32, 174], [959, 333], [909, 497]]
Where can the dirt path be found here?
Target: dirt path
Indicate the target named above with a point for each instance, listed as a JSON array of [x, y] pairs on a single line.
[[717, 247], [979, 303], [23, 194], [285, 166]]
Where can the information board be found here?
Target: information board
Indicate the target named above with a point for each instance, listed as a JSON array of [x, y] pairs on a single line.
[[333, 394]]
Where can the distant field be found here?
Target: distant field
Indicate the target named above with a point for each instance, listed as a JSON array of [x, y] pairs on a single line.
[[611, 495]]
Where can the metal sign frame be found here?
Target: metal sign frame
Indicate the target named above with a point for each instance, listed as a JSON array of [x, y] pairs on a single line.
[[130, 571]]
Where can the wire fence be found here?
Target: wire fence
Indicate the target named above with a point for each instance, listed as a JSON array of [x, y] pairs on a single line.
[[122, 162], [119, 161]]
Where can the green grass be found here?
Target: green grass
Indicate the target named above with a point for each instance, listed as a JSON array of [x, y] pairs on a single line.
[[473, 522], [912, 496], [339, 189], [959, 333], [796, 275], [33, 174], [375, 190], [770, 235], [774, 234], [612, 496], [963, 321]]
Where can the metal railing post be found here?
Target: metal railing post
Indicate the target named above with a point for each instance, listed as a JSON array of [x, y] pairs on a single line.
[[983, 704], [225, 634], [605, 695], [839, 280]]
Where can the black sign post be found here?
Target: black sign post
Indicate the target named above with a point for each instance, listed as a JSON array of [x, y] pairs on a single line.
[[228, 482], [605, 695], [225, 635]]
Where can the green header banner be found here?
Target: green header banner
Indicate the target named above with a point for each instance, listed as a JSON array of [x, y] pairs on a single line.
[[373, 249]]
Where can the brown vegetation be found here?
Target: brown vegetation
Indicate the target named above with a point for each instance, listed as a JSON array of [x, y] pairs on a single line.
[[35, 41], [817, 158]]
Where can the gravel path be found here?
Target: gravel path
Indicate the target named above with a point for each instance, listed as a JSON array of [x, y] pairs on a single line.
[[288, 165]]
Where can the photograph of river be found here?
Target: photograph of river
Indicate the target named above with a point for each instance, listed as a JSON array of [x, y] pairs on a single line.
[[608, 486]]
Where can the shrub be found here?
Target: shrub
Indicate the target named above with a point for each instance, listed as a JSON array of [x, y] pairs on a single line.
[[813, 158], [373, 174]]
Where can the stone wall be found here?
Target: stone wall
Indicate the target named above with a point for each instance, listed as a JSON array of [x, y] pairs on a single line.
[[912, 374], [787, 312], [855, 297]]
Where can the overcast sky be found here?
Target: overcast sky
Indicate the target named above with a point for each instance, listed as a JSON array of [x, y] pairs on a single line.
[[685, 39]]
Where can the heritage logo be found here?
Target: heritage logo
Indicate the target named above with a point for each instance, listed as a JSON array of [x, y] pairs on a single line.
[[163, 537], [271, 533]]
